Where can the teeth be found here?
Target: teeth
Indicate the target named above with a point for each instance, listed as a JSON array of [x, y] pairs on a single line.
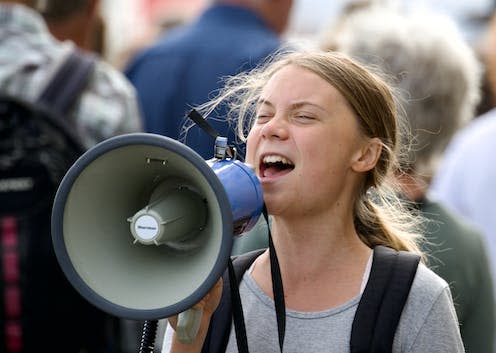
[[276, 159]]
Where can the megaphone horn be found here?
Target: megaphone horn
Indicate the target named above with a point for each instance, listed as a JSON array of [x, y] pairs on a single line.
[[143, 227]]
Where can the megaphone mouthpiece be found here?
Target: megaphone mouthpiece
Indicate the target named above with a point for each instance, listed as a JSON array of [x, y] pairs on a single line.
[[177, 215]]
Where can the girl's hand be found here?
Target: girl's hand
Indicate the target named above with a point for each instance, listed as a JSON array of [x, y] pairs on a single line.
[[208, 304]]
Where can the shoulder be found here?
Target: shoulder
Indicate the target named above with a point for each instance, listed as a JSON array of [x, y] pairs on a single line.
[[429, 321], [454, 249], [107, 80], [445, 230], [242, 261], [476, 136], [37, 55], [108, 105], [427, 288], [481, 126], [470, 149]]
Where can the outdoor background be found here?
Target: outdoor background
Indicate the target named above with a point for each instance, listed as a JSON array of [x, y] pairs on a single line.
[[131, 24]]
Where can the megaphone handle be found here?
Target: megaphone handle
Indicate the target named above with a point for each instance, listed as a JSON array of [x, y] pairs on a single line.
[[188, 324]]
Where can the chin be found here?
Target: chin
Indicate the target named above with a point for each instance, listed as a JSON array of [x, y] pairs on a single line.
[[275, 205]]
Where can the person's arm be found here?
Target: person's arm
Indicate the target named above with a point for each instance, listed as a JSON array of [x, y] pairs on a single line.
[[209, 303]]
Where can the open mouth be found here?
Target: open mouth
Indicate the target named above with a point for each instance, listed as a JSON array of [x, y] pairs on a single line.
[[275, 165]]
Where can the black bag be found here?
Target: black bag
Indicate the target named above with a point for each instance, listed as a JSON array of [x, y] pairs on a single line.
[[377, 315], [39, 309]]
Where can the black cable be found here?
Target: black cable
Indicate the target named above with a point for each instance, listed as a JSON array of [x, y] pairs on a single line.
[[147, 344], [278, 292]]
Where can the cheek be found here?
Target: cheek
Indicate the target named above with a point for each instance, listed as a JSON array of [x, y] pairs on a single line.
[[326, 159], [251, 144]]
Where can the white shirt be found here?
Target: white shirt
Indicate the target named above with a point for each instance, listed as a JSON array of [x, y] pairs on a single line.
[[466, 178]]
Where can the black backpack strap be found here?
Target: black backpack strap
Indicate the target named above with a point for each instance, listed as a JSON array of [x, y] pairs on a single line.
[[381, 305], [68, 82], [220, 324]]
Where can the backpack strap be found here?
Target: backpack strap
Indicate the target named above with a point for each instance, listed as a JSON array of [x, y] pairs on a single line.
[[391, 277], [220, 324], [381, 305], [68, 82]]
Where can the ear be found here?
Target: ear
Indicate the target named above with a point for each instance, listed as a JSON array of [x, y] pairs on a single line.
[[368, 155]]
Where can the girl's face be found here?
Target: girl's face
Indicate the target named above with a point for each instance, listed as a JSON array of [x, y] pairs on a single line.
[[306, 145]]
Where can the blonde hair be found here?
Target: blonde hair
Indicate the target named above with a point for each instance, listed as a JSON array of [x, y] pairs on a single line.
[[380, 217]]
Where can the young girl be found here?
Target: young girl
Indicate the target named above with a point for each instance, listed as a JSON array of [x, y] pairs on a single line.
[[324, 143]]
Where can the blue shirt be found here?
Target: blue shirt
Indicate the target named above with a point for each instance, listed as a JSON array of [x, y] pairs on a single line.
[[186, 66]]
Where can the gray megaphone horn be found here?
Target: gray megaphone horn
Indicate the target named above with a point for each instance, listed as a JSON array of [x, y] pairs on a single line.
[[143, 227]]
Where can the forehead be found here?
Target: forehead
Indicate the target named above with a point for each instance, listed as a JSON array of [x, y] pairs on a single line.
[[294, 83]]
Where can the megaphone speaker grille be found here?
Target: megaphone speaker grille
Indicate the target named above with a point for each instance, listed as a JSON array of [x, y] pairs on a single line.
[[91, 232]]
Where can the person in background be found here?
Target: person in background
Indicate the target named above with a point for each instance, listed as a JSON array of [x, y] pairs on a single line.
[[55, 318], [323, 139], [78, 21], [29, 54], [186, 66], [465, 180], [437, 73]]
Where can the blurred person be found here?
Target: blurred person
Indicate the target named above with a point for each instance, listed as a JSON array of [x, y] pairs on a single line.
[[465, 180], [437, 72], [186, 66], [323, 136], [484, 50], [487, 98], [29, 57], [75, 20], [158, 30]]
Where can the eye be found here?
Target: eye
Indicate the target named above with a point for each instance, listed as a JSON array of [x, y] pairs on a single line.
[[304, 118], [263, 118]]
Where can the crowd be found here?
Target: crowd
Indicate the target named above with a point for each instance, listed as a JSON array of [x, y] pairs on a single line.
[[372, 144]]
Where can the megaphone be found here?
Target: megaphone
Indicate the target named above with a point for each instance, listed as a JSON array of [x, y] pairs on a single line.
[[143, 227]]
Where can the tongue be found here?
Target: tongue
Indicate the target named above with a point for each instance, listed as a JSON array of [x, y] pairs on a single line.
[[275, 171]]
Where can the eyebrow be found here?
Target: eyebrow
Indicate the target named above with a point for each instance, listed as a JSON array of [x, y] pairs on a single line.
[[294, 106], [263, 101]]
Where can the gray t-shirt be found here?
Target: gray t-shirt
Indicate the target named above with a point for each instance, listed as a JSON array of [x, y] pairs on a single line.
[[428, 322]]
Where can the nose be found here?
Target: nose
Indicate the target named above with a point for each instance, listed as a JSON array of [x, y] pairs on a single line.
[[275, 128]]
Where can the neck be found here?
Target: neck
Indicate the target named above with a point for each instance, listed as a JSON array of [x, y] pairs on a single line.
[[77, 28], [319, 240], [313, 258], [274, 13]]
